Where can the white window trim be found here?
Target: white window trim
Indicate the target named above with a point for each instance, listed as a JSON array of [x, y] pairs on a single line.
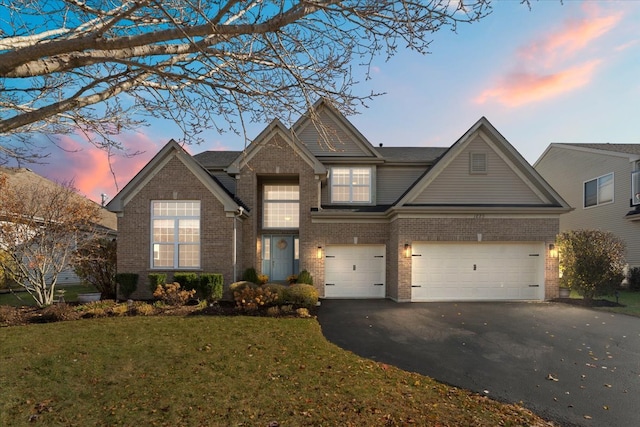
[[613, 195], [372, 180], [176, 242], [264, 207]]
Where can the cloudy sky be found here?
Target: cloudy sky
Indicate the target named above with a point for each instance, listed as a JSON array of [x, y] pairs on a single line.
[[559, 73]]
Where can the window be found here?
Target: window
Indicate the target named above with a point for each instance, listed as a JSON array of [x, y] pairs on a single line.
[[598, 191], [635, 185], [477, 163], [351, 185], [281, 206], [175, 234]]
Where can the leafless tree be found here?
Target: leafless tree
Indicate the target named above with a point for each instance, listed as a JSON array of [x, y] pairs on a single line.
[[40, 227], [103, 66]]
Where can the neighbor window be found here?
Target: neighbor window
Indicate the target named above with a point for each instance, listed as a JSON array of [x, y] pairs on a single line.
[[351, 185], [175, 234], [281, 206], [635, 185], [598, 191]]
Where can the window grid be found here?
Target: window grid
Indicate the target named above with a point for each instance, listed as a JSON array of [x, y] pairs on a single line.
[[351, 185], [281, 206], [175, 234]]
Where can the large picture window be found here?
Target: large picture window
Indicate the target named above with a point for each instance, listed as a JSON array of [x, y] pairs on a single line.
[[281, 206], [175, 234], [351, 185], [598, 191]]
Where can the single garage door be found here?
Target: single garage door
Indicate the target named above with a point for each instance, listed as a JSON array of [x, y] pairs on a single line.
[[354, 271], [477, 271]]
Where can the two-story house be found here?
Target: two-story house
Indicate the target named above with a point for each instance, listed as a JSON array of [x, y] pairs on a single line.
[[602, 183], [473, 221]]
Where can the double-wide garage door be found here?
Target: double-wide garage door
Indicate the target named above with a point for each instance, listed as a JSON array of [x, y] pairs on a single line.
[[354, 271], [477, 271]]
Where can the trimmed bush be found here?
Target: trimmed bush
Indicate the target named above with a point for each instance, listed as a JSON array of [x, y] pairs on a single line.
[[156, 279], [188, 281], [305, 278], [173, 295], [634, 278], [277, 289], [211, 286], [251, 299], [127, 284], [250, 275], [302, 295]]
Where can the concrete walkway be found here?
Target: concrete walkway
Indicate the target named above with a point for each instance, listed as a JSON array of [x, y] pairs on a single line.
[[572, 365]]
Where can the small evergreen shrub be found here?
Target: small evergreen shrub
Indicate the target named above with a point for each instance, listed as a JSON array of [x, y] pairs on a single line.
[[172, 294], [634, 278], [250, 275], [188, 281], [305, 278], [301, 295], [127, 284], [211, 286], [156, 279]]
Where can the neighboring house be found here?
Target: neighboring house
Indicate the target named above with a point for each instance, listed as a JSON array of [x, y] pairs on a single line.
[[471, 222], [602, 183], [26, 178]]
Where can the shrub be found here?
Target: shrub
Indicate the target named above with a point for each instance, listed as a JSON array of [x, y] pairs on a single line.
[[305, 277], [95, 263], [173, 295], [291, 279], [634, 279], [211, 286], [251, 299], [143, 309], [301, 295], [303, 312], [127, 284], [262, 279], [119, 309], [273, 311], [250, 275], [277, 289], [188, 281], [286, 309], [591, 261], [156, 279]]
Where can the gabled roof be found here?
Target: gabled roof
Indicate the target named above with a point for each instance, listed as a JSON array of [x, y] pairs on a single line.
[[507, 153], [173, 150], [216, 159], [411, 154], [315, 120], [630, 151], [26, 178], [275, 128]]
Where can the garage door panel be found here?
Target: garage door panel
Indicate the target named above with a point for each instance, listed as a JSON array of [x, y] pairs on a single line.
[[478, 271], [365, 280]]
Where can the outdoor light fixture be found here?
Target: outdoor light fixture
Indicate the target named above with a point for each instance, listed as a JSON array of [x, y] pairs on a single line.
[[407, 250], [319, 252], [553, 252]]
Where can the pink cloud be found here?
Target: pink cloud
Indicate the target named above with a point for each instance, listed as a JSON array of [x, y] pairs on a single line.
[[555, 64]]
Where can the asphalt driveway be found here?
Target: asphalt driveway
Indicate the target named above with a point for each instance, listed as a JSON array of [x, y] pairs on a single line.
[[568, 364]]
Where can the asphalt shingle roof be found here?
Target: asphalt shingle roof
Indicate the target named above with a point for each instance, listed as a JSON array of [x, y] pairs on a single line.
[[619, 148]]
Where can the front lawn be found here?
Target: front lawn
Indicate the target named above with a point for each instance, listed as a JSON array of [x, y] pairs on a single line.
[[630, 300], [217, 371], [19, 297]]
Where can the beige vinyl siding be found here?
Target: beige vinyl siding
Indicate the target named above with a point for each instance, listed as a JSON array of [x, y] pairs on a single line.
[[567, 170], [456, 185], [340, 143], [393, 182]]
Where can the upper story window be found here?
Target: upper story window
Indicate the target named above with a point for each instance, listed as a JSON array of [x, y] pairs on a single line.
[[598, 191], [175, 234], [281, 206], [635, 185], [351, 185], [477, 163]]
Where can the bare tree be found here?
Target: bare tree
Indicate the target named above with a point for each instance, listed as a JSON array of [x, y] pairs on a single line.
[[40, 227], [102, 66]]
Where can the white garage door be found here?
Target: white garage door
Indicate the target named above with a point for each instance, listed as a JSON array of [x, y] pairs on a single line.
[[354, 271], [477, 271]]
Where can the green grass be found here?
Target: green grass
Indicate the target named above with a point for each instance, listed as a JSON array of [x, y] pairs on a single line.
[[631, 301], [19, 298], [217, 371]]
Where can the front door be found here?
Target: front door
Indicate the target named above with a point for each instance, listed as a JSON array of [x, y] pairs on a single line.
[[278, 257]]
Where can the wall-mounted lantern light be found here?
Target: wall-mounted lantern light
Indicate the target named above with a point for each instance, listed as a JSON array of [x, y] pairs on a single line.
[[553, 251], [319, 252], [407, 250]]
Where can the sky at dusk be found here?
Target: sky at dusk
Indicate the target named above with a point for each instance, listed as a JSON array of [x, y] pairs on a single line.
[[558, 73]]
